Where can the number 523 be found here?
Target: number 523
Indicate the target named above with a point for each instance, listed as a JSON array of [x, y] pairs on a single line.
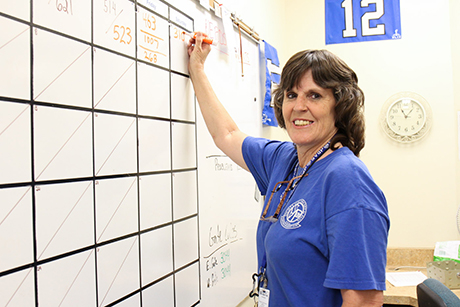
[[122, 34]]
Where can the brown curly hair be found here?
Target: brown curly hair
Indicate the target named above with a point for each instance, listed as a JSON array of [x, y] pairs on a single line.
[[329, 72]]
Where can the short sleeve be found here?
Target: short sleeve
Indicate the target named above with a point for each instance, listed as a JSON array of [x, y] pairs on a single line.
[[357, 226], [261, 156], [357, 240]]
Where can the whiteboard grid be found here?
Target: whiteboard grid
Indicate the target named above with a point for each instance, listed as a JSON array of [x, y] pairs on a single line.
[[88, 214]]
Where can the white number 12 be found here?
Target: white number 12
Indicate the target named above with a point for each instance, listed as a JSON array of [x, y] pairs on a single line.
[[350, 30]]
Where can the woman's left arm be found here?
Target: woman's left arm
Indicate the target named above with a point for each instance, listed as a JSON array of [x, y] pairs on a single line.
[[362, 298]]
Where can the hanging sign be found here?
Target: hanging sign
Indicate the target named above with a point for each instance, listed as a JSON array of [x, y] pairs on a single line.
[[272, 79], [350, 21]]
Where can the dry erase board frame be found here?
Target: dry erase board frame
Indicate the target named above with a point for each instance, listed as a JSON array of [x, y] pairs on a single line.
[[98, 205]]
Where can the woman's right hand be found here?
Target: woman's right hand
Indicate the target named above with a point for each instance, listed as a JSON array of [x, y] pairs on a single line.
[[224, 131], [197, 51]]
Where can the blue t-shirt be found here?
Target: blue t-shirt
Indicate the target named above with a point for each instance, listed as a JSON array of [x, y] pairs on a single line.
[[331, 233]]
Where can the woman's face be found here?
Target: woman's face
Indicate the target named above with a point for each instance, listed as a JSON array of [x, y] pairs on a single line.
[[308, 112]]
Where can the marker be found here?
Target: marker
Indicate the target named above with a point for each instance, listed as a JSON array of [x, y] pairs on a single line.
[[205, 40]]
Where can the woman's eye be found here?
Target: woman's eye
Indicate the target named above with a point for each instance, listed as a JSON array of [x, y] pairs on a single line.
[[315, 95], [290, 95]]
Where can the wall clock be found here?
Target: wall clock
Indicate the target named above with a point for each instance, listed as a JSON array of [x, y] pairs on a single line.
[[406, 117]]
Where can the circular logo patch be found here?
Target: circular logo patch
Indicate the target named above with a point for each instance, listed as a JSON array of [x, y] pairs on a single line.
[[294, 214]]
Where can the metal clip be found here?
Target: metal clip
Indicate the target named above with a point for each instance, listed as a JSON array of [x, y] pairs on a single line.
[[257, 280], [255, 285], [263, 279]]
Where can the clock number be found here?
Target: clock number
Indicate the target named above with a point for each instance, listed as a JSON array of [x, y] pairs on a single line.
[[366, 28]]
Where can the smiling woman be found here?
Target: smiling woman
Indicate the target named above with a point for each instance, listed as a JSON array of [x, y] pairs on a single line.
[[322, 235], [332, 76]]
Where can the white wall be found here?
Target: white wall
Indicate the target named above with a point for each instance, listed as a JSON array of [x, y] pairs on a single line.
[[420, 180], [455, 41]]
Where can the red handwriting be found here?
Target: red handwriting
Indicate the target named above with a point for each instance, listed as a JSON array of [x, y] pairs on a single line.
[[64, 6], [215, 33]]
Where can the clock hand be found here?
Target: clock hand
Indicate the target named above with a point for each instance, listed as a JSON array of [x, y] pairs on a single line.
[[402, 111]]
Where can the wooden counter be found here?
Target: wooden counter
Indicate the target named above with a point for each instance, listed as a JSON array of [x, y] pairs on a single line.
[[406, 259]]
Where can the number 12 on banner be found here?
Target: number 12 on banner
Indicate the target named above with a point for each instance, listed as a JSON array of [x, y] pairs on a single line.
[[350, 21]]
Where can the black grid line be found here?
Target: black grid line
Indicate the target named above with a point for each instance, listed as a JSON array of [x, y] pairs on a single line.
[[35, 182]]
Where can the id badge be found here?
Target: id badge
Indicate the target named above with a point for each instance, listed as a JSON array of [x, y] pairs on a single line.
[[264, 297]]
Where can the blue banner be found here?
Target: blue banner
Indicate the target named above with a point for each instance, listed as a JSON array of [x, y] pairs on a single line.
[[272, 77], [349, 21]]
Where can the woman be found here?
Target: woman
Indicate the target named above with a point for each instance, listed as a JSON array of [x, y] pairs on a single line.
[[322, 235]]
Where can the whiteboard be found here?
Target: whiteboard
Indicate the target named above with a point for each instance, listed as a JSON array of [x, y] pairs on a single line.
[[229, 209], [113, 193]]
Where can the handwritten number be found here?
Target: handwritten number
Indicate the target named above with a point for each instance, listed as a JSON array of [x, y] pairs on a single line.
[[179, 34], [120, 34], [110, 6], [151, 57], [151, 41], [121, 39], [116, 32], [150, 21], [128, 31], [154, 27], [67, 7]]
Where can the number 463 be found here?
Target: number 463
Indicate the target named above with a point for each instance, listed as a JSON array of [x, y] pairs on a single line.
[[367, 30]]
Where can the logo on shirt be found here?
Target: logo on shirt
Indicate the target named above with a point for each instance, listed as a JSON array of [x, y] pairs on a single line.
[[294, 214]]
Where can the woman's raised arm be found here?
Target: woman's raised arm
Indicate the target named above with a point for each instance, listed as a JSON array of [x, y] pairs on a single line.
[[224, 131]]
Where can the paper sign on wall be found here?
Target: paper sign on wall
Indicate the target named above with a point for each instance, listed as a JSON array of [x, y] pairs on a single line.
[[350, 21]]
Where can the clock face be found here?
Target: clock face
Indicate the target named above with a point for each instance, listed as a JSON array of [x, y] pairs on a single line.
[[406, 117]]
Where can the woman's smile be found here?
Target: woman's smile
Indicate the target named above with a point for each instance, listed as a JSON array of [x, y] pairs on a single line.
[[302, 122]]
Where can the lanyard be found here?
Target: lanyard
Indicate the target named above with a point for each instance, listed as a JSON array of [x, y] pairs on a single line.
[[291, 185], [307, 167], [261, 276]]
